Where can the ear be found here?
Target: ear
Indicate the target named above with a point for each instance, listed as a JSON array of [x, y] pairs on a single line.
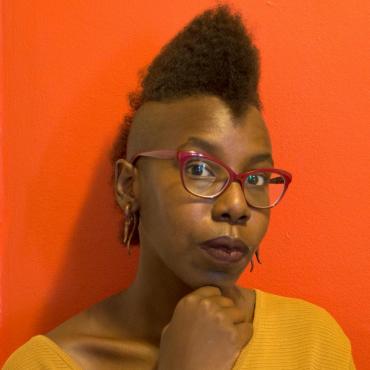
[[126, 184]]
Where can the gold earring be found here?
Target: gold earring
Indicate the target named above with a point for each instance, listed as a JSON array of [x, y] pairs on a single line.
[[129, 227]]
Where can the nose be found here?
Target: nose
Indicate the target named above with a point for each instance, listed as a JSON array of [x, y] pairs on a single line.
[[231, 206]]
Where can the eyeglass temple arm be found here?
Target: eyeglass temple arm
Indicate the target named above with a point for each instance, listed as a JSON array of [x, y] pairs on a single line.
[[277, 180], [160, 154]]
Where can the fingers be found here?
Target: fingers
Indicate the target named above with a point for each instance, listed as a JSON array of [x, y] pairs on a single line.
[[245, 332], [227, 306], [221, 301], [210, 299], [207, 291], [234, 314], [214, 296]]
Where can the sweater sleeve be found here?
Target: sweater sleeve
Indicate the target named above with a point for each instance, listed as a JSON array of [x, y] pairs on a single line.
[[352, 364], [291, 333], [39, 353]]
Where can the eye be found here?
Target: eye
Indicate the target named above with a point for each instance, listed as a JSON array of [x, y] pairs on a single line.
[[198, 169], [257, 179]]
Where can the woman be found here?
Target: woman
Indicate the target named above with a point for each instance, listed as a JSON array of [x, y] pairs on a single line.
[[195, 179]]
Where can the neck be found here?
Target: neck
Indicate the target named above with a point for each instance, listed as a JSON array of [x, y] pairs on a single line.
[[148, 304], [153, 295]]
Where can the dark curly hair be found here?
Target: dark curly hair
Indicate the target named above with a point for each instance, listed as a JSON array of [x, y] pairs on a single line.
[[212, 55]]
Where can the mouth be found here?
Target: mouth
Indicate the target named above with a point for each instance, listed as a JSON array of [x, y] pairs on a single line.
[[225, 249]]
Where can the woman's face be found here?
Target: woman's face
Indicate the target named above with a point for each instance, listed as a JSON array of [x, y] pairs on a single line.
[[173, 222]]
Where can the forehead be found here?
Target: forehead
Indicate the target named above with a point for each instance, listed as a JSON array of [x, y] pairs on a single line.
[[178, 124]]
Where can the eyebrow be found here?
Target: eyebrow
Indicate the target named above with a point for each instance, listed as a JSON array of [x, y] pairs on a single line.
[[213, 148]]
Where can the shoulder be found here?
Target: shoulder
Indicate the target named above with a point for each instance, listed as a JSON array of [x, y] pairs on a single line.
[[296, 310], [296, 333], [39, 352], [64, 346], [297, 322]]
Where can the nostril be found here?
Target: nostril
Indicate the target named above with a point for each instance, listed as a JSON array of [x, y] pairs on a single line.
[[242, 219], [225, 217]]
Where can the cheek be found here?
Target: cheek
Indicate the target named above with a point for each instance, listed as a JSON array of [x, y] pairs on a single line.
[[163, 204], [258, 225], [171, 216]]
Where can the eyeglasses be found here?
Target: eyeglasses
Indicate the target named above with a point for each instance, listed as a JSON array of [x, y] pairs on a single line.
[[207, 177]]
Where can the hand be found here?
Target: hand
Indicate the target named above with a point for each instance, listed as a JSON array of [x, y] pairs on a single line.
[[207, 332]]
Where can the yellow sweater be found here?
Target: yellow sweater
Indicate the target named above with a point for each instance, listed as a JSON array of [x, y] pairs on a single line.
[[289, 333]]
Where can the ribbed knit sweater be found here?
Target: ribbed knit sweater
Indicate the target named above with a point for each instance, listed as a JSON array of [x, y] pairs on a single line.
[[288, 334]]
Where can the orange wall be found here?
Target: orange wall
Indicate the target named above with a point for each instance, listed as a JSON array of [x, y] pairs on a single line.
[[67, 70]]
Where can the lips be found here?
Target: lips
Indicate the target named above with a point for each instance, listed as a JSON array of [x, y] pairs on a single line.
[[225, 249]]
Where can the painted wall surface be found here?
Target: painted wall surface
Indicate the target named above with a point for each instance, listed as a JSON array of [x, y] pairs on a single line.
[[67, 70]]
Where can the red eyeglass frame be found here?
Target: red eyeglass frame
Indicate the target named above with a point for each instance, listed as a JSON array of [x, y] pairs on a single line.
[[183, 155]]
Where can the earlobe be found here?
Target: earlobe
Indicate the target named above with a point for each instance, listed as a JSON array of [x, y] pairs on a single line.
[[124, 181]]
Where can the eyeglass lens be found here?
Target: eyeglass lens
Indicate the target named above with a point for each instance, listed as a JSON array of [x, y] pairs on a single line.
[[206, 178]]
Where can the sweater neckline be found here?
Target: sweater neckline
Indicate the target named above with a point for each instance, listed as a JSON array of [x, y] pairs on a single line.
[[64, 355], [72, 362]]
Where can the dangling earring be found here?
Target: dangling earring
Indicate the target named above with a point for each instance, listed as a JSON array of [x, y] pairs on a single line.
[[257, 253], [129, 227]]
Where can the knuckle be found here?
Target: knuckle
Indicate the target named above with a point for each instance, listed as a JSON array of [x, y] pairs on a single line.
[[220, 318], [205, 304], [189, 300], [185, 303], [228, 301]]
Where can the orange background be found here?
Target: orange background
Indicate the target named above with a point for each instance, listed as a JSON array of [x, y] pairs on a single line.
[[65, 75]]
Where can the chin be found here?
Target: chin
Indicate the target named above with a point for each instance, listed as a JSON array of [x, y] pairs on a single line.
[[214, 278]]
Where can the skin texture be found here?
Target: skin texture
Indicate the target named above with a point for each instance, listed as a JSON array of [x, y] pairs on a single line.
[[177, 287]]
